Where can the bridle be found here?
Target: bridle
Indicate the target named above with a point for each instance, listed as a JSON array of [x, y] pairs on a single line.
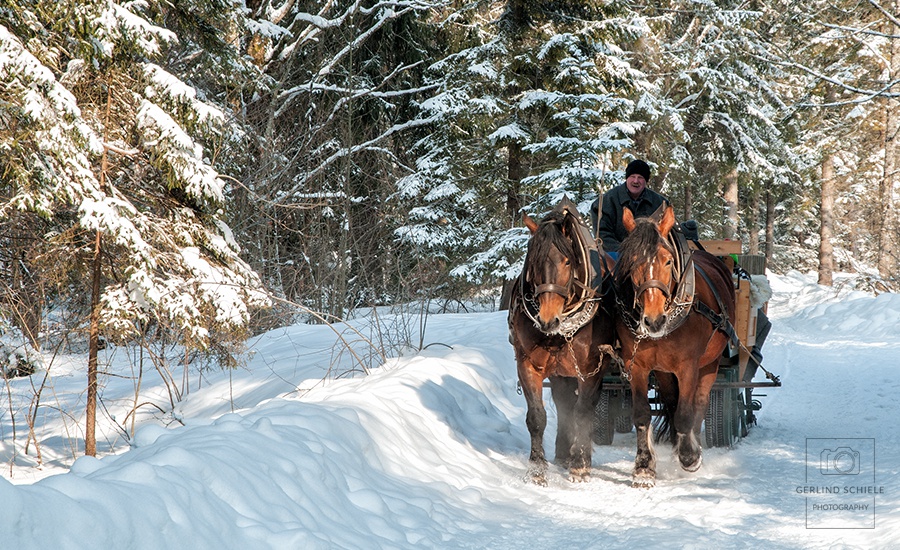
[[679, 294], [564, 291], [582, 299], [666, 289]]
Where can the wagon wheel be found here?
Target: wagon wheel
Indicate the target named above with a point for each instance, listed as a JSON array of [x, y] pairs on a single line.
[[604, 423], [718, 427], [724, 416], [624, 423]]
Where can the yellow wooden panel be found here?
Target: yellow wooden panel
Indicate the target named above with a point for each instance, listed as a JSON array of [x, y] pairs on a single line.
[[722, 247], [744, 323]]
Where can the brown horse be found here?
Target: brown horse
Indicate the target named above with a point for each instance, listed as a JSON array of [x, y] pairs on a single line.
[[676, 315], [561, 328]]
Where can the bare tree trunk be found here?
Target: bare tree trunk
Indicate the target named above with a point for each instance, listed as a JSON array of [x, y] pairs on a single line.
[[516, 171], [887, 259], [688, 201], [90, 417], [826, 222], [753, 224], [770, 224], [730, 227], [90, 438]]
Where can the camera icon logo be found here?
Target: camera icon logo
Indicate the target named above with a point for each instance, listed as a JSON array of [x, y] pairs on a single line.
[[842, 461]]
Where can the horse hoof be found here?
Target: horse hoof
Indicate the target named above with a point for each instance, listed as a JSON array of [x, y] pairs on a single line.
[[580, 475], [643, 480], [692, 467], [539, 480], [537, 476]]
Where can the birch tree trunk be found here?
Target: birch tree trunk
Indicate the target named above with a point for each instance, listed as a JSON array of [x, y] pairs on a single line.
[[826, 222], [753, 223], [770, 224], [730, 226], [887, 259]]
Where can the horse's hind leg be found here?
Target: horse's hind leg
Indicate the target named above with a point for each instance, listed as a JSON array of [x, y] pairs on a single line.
[[667, 395], [582, 426], [701, 399], [688, 443], [532, 382], [644, 474], [689, 414]]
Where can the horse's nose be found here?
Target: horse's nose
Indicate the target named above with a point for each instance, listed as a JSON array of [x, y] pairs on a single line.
[[549, 326], [654, 324]]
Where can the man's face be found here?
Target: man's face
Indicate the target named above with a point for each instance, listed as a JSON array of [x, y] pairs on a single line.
[[635, 184]]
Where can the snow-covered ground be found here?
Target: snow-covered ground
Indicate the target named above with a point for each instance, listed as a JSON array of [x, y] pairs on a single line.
[[430, 450]]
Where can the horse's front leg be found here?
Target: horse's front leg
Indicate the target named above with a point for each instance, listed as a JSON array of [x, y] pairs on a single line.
[[644, 474], [532, 382]]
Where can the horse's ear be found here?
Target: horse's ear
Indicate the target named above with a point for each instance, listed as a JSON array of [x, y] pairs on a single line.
[[529, 223], [628, 220], [657, 216], [667, 222]]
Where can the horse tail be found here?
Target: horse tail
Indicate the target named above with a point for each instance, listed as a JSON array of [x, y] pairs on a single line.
[[667, 394]]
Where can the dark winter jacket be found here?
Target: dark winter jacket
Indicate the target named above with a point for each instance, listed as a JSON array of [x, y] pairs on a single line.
[[611, 230]]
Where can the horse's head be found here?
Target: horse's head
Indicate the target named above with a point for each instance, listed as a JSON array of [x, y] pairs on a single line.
[[549, 268], [646, 261]]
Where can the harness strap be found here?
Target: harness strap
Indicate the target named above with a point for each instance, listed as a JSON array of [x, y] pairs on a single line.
[[550, 287], [719, 320], [653, 283]]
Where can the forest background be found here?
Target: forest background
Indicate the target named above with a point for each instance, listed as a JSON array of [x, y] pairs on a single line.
[[181, 174]]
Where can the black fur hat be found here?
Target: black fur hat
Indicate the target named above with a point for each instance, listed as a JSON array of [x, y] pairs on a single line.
[[638, 166]]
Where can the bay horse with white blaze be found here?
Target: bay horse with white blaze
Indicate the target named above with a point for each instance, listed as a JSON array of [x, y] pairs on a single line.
[[561, 323], [676, 315]]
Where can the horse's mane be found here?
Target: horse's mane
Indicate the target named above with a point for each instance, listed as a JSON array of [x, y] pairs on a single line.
[[637, 248], [549, 235]]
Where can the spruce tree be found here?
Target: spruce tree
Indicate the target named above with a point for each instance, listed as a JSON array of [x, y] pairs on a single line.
[[108, 154]]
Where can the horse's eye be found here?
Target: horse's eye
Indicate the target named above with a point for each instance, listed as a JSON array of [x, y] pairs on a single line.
[[568, 262]]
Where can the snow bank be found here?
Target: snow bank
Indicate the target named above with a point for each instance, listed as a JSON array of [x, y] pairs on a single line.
[[430, 451]]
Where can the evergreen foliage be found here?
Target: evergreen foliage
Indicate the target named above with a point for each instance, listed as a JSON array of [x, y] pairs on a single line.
[[374, 152], [100, 135]]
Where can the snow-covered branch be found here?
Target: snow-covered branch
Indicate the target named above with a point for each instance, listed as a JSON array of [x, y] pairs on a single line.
[[304, 179], [289, 94], [866, 94], [318, 22], [886, 13]]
